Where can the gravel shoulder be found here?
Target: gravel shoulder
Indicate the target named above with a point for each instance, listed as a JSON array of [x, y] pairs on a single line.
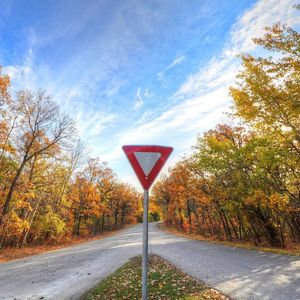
[[68, 273]]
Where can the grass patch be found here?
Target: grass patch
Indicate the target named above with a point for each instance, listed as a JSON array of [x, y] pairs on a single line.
[[165, 281], [293, 249]]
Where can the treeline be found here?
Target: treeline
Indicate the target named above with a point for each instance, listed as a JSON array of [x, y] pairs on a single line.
[[243, 181], [46, 193]]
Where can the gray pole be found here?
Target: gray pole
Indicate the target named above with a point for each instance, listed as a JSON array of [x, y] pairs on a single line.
[[145, 246]]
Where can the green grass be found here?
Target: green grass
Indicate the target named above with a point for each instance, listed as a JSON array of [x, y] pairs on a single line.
[[165, 281]]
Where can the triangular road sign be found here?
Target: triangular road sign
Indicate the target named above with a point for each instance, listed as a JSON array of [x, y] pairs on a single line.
[[147, 161]]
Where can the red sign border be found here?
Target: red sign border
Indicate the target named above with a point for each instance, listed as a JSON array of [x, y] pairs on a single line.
[[147, 181]]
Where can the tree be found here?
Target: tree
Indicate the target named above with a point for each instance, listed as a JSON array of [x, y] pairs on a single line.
[[4, 88], [267, 96], [42, 130], [268, 89], [45, 193]]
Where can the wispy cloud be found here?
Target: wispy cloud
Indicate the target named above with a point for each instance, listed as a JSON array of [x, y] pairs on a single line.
[[221, 71], [203, 98], [148, 94], [114, 88], [177, 61], [102, 76], [92, 123], [138, 99], [252, 22], [140, 95], [24, 74]]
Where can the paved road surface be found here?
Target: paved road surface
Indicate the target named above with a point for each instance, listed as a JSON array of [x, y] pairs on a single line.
[[69, 272]]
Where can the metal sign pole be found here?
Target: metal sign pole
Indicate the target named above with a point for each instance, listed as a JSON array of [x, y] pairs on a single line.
[[145, 246], [146, 161]]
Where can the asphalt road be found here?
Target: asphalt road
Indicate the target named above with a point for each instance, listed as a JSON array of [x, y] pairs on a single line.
[[67, 273]]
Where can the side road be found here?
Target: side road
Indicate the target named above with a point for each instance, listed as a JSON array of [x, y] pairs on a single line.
[[69, 272], [239, 273]]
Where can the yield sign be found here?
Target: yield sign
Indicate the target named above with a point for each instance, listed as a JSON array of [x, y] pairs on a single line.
[[147, 161]]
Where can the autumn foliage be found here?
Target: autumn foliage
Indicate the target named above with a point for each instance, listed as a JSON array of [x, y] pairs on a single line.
[[47, 192], [243, 181]]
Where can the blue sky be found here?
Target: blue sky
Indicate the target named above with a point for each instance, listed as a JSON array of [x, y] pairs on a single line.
[[134, 72]]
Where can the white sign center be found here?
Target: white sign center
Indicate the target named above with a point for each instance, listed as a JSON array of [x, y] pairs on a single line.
[[147, 160]]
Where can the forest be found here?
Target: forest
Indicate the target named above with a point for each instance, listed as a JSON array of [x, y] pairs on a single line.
[[242, 180], [49, 189]]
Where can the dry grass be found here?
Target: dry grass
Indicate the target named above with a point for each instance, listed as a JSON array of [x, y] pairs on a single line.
[[9, 254], [165, 281], [293, 249]]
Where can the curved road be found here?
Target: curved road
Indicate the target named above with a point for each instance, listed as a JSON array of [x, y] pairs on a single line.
[[67, 273]]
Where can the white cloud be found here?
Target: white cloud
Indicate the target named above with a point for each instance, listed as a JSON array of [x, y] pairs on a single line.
[[94, 67], [175, 62], [92, 123], [218, 73], [74, 92], [252, 22], [24, 75], [203, 98], [177, 126], [221, 71], [114, 88], [138, 99], [148, 94], [199, 102]]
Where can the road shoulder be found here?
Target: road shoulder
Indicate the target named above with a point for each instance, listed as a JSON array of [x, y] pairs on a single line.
[[11, 254], [295, 251]]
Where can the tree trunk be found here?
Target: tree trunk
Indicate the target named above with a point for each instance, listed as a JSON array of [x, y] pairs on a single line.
[[123, 214], [103, 221], [116, 217], [77, 227], [225, 225], [180, 218], [296, 226], [234, 228], [270, 231], [188, 206], [30, 223], [11, 190]]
